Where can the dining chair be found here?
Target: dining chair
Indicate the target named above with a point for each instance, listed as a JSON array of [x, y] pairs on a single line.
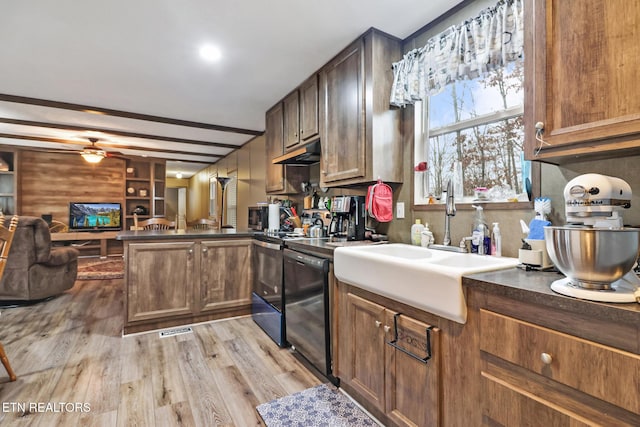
[[157, 224], [6, 237], [203, 224]]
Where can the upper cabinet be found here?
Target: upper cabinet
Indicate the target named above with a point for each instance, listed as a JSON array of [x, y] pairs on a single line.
[[360, 133], [582, 63], [280, 179], [301, 114]]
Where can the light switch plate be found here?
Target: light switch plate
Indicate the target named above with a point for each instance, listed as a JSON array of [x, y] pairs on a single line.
[[400, 210]]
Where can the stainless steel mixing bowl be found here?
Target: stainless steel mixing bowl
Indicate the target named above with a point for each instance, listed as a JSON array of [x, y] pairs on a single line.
[[592, 257]]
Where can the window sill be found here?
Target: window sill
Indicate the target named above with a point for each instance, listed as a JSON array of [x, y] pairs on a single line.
[[485, 205]]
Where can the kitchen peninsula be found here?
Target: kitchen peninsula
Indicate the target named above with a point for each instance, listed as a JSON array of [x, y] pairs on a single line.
[[179, 277]]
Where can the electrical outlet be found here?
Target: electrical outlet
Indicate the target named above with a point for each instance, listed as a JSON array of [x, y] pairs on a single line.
[[400, 210]]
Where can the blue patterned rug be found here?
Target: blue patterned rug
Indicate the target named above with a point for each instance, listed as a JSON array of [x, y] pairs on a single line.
[[314, 407]]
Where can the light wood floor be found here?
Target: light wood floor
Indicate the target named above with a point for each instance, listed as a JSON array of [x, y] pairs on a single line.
[[70, 350]]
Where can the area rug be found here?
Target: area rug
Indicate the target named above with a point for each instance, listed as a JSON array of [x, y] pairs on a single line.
[[94, 269], [317, 406]]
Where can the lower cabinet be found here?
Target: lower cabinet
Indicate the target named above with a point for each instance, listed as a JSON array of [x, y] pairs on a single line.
[[537, 375], [225, 274], [169, 283], [390, 360]]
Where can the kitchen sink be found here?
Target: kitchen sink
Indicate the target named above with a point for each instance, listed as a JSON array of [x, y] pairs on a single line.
[[428, 279]]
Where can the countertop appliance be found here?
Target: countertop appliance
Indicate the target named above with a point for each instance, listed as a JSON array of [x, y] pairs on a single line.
[[595, 252], [308, 323], [267, 298], [258, 217], [348, 217]]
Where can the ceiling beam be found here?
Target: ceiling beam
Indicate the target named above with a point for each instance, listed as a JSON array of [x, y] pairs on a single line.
[[214, 157], [125, 114], [116, 132]]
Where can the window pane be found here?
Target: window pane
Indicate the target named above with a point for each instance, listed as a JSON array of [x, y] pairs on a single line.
[[476, 128], [490, 156]]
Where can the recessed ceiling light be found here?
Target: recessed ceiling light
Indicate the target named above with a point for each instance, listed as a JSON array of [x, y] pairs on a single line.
[[210, 53], [178, 175]]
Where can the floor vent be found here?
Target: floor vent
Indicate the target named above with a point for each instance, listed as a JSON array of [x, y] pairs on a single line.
[[177, 331]]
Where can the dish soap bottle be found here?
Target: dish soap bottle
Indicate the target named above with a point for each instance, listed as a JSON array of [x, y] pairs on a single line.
[[496, 240], [427, 236], [416, 232], [480, 240]]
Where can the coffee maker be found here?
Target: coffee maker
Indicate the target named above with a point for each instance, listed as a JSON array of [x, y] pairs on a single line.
[[348, 218]]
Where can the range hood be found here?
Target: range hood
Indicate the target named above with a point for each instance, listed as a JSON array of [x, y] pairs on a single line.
[[305, 155]]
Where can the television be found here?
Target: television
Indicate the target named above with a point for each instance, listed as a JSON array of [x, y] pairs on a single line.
[[92, 216]]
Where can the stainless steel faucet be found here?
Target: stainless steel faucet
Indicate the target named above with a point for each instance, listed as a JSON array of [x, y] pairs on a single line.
[[449, 211]]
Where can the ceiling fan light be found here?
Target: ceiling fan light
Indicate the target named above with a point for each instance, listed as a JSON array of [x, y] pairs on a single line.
[[92, 156]]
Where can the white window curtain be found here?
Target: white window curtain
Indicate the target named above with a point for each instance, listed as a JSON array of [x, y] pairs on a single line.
[[488, 41]]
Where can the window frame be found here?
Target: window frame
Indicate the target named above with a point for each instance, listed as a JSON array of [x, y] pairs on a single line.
[[420, 143]]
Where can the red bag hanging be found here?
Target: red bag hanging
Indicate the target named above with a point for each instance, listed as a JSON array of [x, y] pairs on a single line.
[[379, 202]]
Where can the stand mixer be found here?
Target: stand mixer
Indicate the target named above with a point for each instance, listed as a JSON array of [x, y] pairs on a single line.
[[595, 251]]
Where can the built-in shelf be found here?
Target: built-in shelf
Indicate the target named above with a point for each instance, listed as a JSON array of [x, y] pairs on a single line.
[[145, 186]]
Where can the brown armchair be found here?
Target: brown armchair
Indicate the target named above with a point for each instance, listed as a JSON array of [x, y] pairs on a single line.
[[35, 270]]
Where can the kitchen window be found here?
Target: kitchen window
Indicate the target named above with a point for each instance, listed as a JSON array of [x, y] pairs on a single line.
[[472, 133], [466, 85]]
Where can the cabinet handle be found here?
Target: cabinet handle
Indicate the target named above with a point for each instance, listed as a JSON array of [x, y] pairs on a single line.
[[204, 250], [378, 323], [387, 328], [546, 358], [190, 251], [394, 343]]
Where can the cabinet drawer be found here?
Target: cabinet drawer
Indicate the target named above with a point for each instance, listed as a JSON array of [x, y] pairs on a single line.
[[603, 372]]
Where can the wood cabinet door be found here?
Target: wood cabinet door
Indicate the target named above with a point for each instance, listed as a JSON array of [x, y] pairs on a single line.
[[342, 116], [160, 282], [274, 143], [291, 106], [362, 349], [412, 386], [225, 274], [582, 63], [309, 108]]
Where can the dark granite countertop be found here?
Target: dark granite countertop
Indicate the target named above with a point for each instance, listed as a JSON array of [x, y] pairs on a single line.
[[323, 246], [534, 287], [183, 234]]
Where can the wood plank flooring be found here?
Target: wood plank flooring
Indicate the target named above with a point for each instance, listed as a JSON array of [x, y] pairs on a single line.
[[74, 367]]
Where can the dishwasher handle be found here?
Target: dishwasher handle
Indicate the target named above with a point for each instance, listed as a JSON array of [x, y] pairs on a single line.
[[310, 261]]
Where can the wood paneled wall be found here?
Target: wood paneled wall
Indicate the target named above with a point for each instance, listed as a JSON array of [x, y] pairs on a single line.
[[49, 181]]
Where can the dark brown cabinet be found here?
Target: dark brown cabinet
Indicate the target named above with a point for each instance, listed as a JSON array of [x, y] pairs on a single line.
[[309, 104], [360, 132], [280, 179], [582, 64], [176, 282], [379, 354], [291, 106], [301, 114]]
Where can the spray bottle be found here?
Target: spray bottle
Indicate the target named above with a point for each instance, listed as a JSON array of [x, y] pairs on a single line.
[[481, 241], [496, 240]]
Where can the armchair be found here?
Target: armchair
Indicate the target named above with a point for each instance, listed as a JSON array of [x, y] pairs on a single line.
[[35, 270]]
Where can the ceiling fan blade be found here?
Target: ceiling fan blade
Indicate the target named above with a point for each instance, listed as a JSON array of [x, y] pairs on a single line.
[[115, 155]]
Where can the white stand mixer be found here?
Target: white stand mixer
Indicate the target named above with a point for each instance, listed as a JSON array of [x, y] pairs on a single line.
[[592, 204]]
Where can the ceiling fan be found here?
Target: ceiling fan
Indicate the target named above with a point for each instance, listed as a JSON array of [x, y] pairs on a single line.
[[90, 153], [94, 154]]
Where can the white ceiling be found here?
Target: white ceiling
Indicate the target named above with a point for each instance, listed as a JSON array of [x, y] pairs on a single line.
[[141, 57]]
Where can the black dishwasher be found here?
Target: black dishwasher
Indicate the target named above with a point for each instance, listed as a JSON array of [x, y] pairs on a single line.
[[306, 300]]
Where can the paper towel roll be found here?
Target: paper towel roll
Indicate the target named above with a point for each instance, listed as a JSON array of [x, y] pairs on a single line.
[[274, 217]]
